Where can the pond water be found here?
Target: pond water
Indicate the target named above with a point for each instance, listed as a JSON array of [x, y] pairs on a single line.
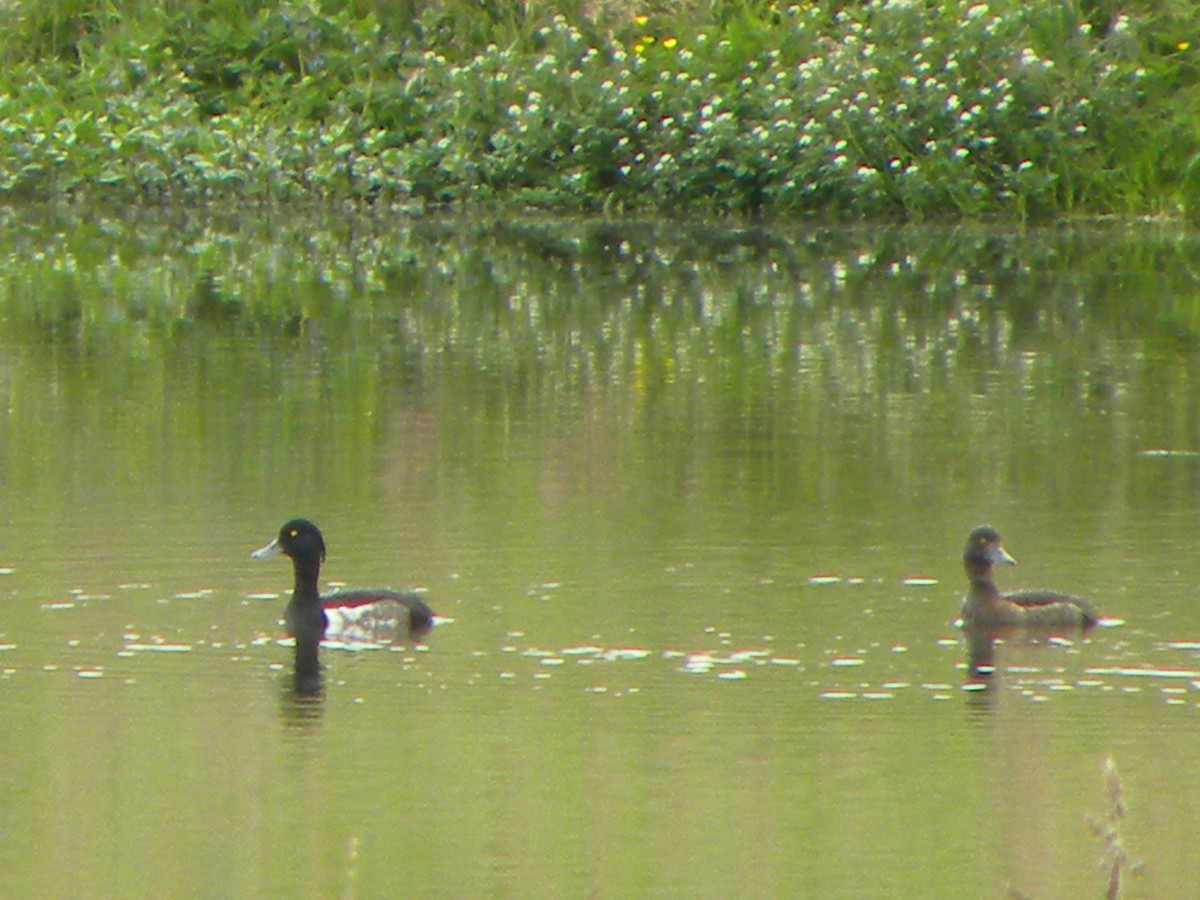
[[691, 501]]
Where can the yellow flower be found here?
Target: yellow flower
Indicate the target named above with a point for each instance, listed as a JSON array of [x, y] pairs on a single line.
[[1183, 45], [641, 21], [669, 43]]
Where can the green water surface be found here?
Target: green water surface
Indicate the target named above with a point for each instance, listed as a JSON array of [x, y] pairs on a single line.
[[691, 498]]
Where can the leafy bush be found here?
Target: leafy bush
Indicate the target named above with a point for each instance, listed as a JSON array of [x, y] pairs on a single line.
[[893, 109]]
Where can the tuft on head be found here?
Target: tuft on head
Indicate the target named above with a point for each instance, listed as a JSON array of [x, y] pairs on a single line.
[[301, 537], [984, 548], [983, 534]]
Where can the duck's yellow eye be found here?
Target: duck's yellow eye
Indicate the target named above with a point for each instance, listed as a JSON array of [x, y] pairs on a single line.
[[292, 532]]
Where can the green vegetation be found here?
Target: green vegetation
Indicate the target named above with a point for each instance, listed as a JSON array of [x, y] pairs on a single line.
[[1117, 861], [900, 109]]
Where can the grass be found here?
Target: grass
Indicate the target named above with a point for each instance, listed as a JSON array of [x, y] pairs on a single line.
[[1117, 862], [899, 110]]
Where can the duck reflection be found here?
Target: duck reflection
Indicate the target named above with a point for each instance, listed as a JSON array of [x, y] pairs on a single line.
[[981, 653], [302, 699], [306, 668], [983, 647], [358, 629]]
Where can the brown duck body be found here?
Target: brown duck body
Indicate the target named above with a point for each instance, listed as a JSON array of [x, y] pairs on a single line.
[[985, 606]]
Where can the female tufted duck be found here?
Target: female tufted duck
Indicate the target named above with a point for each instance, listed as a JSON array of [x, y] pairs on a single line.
[[985, 606]]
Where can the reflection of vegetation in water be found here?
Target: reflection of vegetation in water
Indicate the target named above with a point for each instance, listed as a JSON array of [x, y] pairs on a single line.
[[924, 344]]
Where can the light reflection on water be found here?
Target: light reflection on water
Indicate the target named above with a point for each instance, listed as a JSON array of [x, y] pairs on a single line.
[[691, 507], [838, 715]]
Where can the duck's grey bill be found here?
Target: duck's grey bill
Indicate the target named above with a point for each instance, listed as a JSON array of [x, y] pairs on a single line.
[[1002, 556], [272, 549]]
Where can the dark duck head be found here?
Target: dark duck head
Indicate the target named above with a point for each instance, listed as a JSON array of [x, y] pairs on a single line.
[[986, 606], [351, 616]]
